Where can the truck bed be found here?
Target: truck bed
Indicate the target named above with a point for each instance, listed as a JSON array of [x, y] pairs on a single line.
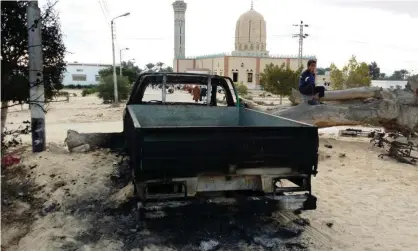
[[184, 141]]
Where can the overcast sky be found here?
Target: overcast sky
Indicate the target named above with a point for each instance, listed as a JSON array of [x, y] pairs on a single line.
[[381, 31]]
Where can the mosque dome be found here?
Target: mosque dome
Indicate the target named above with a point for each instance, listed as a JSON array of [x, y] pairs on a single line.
[[250, 32]]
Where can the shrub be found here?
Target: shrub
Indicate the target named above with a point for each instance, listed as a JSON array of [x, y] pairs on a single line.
[[88, 91], [63, 94], [241, 89], [106, 92]]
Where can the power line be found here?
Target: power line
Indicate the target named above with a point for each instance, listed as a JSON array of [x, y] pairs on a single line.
[[104, 13], [301, 36], [106, 7]]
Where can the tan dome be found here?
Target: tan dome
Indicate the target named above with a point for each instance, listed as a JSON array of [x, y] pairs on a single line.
[[251, 15], [250, 32]]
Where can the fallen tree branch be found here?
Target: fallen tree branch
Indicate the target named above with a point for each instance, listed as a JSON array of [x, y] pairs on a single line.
[[392, 109], [343, 95]]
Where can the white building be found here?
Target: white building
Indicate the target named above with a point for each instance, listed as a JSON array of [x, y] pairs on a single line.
[[245, 63], [82, 74], [391, 84]]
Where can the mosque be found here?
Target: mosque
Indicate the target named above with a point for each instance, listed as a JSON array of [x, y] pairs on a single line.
[[245, 63]]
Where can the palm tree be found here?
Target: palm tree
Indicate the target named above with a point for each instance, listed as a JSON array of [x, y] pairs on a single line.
[[160, 66], [150, 67]]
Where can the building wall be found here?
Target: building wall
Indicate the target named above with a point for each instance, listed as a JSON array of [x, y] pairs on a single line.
[[215, 65], [294, 63], [180, 65], [219, 66], [243, 65], [276, 61], [227, 65], [206, 63], [76, 71]]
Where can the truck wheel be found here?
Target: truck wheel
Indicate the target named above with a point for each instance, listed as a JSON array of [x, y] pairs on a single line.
[[140, 215], [140, 207]]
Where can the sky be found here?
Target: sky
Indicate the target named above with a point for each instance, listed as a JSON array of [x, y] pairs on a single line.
[[381, 31]]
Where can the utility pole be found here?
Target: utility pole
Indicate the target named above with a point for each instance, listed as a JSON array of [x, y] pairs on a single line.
[[301, 36], [120, 58], [36, 86], [115, 84]]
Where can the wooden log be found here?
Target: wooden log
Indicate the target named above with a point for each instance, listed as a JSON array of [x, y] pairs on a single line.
[[342, 95], [392, 109], [384, 112]]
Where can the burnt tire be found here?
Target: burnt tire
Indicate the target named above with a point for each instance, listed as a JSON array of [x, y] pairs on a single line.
[[140, 215]]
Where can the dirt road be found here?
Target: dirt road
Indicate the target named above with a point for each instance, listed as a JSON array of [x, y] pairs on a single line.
[[61, 201]]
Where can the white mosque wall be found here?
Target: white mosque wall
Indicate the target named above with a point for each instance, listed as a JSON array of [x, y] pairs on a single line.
[[276, 61], [227, 65], [219, 66], [243, 66]]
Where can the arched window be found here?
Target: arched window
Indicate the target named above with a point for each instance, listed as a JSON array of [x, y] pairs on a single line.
[[258, 47], [240, 47], [245, 47], [251, 47], [262, 47]]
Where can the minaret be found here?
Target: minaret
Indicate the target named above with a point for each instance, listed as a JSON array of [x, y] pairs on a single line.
[[179, 7]]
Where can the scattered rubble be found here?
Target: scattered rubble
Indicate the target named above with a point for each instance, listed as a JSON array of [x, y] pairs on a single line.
[[404, 152]]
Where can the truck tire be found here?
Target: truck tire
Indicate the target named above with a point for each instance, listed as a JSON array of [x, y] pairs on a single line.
[[139, 207]]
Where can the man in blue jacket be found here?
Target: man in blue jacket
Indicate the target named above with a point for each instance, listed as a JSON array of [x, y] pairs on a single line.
[[307, 83]]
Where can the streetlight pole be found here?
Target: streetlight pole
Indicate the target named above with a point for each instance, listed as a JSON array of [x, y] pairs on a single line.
[[115, 85], [120, 58]]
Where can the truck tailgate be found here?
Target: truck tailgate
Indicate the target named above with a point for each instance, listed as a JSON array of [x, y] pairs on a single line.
[[185, 152]]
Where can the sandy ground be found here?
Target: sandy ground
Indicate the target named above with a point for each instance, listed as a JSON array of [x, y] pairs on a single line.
[[61, 201]]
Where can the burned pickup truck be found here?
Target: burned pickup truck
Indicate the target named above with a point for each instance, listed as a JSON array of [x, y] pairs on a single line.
[[214, 150]]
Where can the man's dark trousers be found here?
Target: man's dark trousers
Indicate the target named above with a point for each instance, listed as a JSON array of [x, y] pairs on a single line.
[[311, 90]]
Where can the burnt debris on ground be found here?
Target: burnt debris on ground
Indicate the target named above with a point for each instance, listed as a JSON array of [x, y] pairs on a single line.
[[189, 230], [85, 203], [397, 147]]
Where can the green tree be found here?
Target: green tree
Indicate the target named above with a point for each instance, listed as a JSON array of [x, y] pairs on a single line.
[[241, 88], [337, 78], [150, 67], [399, 75], [106, 89], [374, 71], [279, 79], [129, 70], [158, 67], [14, 46], [382, 76], [322, 71], [168, 69], [356, 74]]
